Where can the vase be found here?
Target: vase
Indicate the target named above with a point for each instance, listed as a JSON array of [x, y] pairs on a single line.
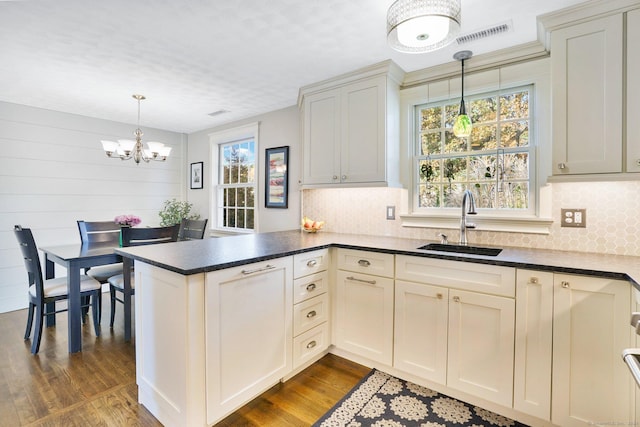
[[120, 236]]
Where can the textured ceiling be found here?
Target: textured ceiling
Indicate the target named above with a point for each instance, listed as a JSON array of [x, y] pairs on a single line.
[[191, 58]]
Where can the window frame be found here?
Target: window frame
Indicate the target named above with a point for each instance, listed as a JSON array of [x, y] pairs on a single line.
[[217, 141], [444, 85], [530, 151]]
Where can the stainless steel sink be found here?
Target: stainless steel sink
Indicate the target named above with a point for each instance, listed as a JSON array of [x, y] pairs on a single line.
[[462, 249]]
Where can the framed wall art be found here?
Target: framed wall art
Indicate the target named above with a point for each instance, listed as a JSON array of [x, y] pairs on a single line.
[[196, 176], [277, 177]]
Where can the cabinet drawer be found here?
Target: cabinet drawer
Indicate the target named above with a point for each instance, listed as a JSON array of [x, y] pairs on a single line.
[[310, 286], [310, 262], [310, 344], [310, 313], [366, 262], [489, 279]]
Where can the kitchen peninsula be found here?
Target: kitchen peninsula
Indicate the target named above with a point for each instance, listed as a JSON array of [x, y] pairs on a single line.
[[218, 321]]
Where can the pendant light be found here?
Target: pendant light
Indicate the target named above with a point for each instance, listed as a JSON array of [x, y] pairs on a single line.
[[462, 126]]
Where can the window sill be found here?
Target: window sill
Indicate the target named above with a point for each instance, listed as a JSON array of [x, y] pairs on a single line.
[[531, 225]]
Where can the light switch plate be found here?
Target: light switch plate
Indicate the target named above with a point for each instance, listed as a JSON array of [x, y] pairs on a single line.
[[576, 218], [391, 212]]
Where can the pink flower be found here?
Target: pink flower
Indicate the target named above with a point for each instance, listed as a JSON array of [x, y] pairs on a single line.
[[130, 220]]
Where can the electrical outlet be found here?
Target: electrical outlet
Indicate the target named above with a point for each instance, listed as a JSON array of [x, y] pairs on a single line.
[[391, 212], [573, 218]]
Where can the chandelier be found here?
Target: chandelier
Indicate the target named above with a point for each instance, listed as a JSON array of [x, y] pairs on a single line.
[[418, 26], [126, 149]]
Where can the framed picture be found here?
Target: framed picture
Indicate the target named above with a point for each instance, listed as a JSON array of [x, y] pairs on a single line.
[[277, 177], [196, 176]]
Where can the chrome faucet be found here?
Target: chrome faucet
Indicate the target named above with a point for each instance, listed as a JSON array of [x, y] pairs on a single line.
[[467, 196]]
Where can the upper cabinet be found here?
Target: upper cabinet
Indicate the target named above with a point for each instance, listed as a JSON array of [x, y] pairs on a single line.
[[591, 70], [350, 129]]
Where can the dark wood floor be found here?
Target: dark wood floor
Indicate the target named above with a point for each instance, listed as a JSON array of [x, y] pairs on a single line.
[[97, 386]]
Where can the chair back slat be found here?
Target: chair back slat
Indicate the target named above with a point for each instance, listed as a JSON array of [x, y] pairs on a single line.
[[99, 232], [31, 258], [132, 236], [191, 229]]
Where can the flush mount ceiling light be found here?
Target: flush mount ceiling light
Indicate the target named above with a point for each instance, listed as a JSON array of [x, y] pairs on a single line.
[[418, 26], [462, 126], [126, 149]]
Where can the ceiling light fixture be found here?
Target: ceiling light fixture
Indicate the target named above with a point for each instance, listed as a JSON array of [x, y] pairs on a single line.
[[462, 126], [418, 26], [126, 149]]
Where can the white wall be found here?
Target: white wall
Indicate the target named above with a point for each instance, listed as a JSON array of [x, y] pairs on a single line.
[[54, 172], [278, 128]]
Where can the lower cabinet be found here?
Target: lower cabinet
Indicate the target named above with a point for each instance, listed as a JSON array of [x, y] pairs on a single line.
[[591, 327], [248, 332], [458, 338]]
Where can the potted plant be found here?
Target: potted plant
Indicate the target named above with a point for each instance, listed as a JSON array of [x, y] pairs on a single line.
[[174, 211]]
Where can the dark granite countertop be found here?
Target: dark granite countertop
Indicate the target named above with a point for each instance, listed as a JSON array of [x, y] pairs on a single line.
[[198, 256]]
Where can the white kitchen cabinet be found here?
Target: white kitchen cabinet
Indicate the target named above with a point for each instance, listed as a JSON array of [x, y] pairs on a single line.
[[587, 76], [471, 323], [350, 129], [420, 330], [248, 332], [633, 90], [364, 304], [534, 330], [591, 384], [310, 306]]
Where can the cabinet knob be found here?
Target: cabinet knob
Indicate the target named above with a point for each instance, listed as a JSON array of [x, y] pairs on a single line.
[[456, 299], [311, 287], [364, 263], [311, 314], [312, 263], [334, 177], [439, 295], [562, 165], [312, 344], [564, 284], [534, 281], [344, 177]]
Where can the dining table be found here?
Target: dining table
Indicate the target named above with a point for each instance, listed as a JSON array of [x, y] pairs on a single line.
[[75, 258]]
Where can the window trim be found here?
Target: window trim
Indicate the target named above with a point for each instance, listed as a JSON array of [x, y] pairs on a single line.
[[216, 139], [536, 73]]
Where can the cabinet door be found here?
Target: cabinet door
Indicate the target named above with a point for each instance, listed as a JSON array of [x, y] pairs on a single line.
[[481, 340], [364, 315], [420, 338], [321, 141], [633, 90], [363, 131], [590, 330], [248, 335], [586, 70], [534, 329]]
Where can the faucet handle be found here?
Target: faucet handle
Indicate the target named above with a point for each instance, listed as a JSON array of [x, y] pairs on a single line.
[[443, 238]]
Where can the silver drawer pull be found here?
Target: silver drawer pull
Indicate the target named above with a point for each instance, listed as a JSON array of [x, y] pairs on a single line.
[[312, 344], [364, 263], [312, 263], [311, 314], [534, 281], [257, 270], [311, 287], [456, 299], [371, 282]]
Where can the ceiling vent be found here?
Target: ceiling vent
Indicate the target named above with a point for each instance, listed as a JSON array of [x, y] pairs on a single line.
[[217, 113], [487, 32]]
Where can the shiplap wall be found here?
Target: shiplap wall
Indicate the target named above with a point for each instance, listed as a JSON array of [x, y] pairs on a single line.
[[53, 172]]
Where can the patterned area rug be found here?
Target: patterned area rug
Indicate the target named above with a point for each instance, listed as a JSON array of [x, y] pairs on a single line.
[[382, 400]]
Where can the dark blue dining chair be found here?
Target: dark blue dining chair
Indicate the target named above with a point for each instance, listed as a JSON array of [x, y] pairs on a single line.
[[133, 236], [47, 292]]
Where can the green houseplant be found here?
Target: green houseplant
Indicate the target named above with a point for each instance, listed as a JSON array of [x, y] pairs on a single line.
[[174, 211]]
